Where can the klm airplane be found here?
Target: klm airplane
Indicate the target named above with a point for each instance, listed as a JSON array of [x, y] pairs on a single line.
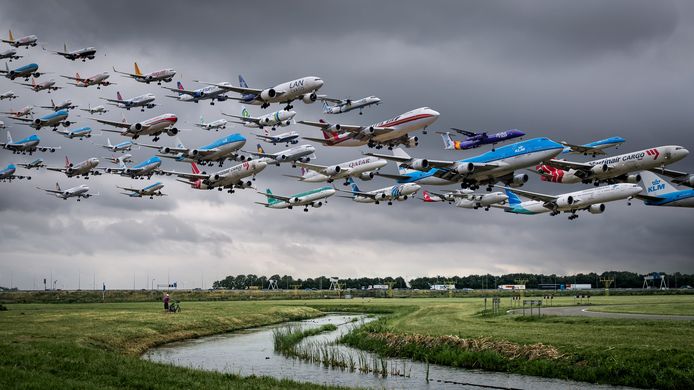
[[218, 151], [144, 169], [658, 192], [593, 148]]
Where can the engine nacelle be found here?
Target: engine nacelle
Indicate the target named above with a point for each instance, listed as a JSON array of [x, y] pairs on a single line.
[[216, 177], [566, 200], [286, 123], [37, 121], [136, 127], [366, 176], [151, 105], [690, 180], [127, 171], [67, 124], [596, 169], [419, 164], [193, 152], [268, 94], [464, 168], [246, 184], [368, 131], [334, 128], [308, 99], [294, 200], [172, 131], [412, 142], [164, 150], [597, 208], [519, 179], [317, 205], [633, 178], [266, 120], [282, 157], [333, 170]]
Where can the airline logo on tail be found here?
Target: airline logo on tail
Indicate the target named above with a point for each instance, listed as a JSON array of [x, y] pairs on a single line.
[[68, 164], [245, 113], [242, 82], [137, 70], [448, 143], [326, 107], [195, 168], [653, 152], [427, 197], [352, 184], [513, 199], [550, 174], [11, 37], [270, 200], [179, 86], [77, 77], [119, 96], [260, 149]]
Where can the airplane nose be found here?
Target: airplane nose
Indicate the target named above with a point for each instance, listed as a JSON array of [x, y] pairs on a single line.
[[434, 112]]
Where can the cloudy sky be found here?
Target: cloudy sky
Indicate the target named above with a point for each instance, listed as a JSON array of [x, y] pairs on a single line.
[[574, 71]]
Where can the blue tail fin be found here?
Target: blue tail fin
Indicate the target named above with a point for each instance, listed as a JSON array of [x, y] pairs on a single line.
[[242, 82], [513, 199], [354, 186]]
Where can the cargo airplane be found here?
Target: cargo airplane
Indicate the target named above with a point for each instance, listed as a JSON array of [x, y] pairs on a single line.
[[397, 192], [80, 191], [153, 126], [229, 178], [158, 76], [26, 145], [346, 105], [313, 198], [364, 168], [142, 101]]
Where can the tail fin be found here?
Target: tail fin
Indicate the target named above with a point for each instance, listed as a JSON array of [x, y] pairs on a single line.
[[260, 149], [304, 171], [270, 200], [52, 103], [448, 143], [33, 82], [352, 184], [67, 162], [77, 76], [179, 85], [11, 36], [427, 197], [398, 152], [137, 70], [194, 168], [108, 142], [245, 113], [654, 185], [202, 120], [57, 187], [118, 95], [179, 143], [9, 137], [513, 199], [242, 82], [7, 68], [326, 107], [65, 47]]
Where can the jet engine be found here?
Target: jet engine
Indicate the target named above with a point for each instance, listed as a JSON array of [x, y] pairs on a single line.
[[334, 128], [294, 200], [164, 150], [333, 170], [464, 168], [566, 200], [633, 178], [596, 169], [368, 131], [37, 74], [137, 127], [268, 94], [689, 180], [246, 184], [317, 205], [37, 121], [172, 131], [366, 176], [285, 123], [193, 152], [67, 124], [282, 157], [305, 159], [419, 164], [309, 98], [519, 180], [597, 208], [266, 120], [412, 142], [151, 105]]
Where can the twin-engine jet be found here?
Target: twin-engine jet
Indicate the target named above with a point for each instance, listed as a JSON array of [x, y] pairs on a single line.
[[29, 40], [64, 105], [10, 54], [210, 92], [26, 145], [95, 110], [48, 85], [80, 191], [35, 164], [593, 148], [84, 54], [291, 137], [80, 133], [98, 79], [24, 72], [466, 198], [397, 192], [364, 168], [346, 105], [84, 168], [153, 126], [214, 125], [158, 76], [218, 151], [122, 147], [9, 95], [229, 178], [278, 118], [151, 191], [26, 111], [295, 155], [313, 198], [142, 101], [53, 120], [144, 169]]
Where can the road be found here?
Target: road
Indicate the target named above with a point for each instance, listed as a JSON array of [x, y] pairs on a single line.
[[584, 311]]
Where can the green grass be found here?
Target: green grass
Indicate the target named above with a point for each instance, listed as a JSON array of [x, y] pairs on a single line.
[[287, 337], [684, 308]]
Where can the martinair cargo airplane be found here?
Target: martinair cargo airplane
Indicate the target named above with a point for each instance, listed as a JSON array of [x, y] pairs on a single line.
[[153, 126], [228, 178], [617, 169], [218, 151], [81, 191], [83, 168], [151, 190], [303, 89], [467, 199], [29, 40], [313, 198], [391, 132], [658, 192], [165, 75], [487, 168], [142, 101], [278, 118], [364, 168], [98, 79], [29, 145], [211, 93], [591, 199], [398, 192]]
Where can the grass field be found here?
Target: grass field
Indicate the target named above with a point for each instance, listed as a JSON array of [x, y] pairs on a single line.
[[679, 308]]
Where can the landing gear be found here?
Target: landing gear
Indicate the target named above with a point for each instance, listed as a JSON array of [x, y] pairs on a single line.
[[212, 103], [390, 203], [287, 108], [572, 217], [486, 208], [142, 109], [265, 105], [306, 209], [489, 188], [155, 139]]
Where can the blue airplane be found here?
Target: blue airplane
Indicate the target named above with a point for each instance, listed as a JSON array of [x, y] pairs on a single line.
[[488, 168], [144, 169], [151, 190], [54, 119], [593, 148], [658, 192], [7, 174], [24, 71], [35, 164], [26, 145], [475, 140], [82, 132], [122, 147], [218, 151]]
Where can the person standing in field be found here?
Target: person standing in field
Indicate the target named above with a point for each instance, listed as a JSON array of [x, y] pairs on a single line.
[[166, 302]]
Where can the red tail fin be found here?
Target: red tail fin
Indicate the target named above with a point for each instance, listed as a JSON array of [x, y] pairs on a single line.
[[550, 174], [67, 162], [427, 197], [77, 76], [195, 168], [118, 96]]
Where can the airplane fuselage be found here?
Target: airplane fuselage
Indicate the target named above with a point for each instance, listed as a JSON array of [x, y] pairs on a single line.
[[578, 200]]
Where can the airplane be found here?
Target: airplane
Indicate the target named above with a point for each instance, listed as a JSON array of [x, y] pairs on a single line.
[[677, 177], [54, 119], [26, 111], [65, 105], [291, 137], [658, 192], [294, 155], [10, 54], [475, 140], [144, 169], [364, 168], [277, 118], [593, 148], [125, 158], [313, 198], [165, 75], [29, 40], [153, 126], [7, 174], [83, 168], [80, 54], [9, 95], [398, 192], [151, 190], [25, 72], [217, 151], [80, 191], [228, 178], [35, 164], [210, 92], [119, 147], [98, 79], [29, 145], [95, 110], [467, 199], [214, 125], [617, 169], [391, 132], [487, 168], [592, 199], [2, 125], [81, 133], [48, 85], [303, 89], [346, 105], [142, 101]]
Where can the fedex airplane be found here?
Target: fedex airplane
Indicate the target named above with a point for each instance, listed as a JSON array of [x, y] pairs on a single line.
[[81, 191], [592, 199], [293, 155], [229, 178], [79, 54], [615, 169], [303, 89], [475, 140], [53, 120], [48, 85], [64, 105], [29, 145], [397, 192], [214, 125], [98, 79], [291, 137], [7, 174], [10, 54], [9, 95], [313, 198], [346, 105], [165, 75], [277, 118], [390, 133], [29, 40], [593, 148], [122, 147], [144, 169], [217, 151], [210, 92], [467, 199], [364, 168], [142, 101], [25, 72], [151, 190], [658, 192], [83, 168], [81, 133], [487, 168], [153, 126]]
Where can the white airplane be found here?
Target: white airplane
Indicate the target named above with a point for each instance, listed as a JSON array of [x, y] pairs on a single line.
[[364, 168], [81, 133], [98, 79], [10, 54], [592, 199], [54, 119], [144, 169], [677, 177], [398, 192], [617, 169], [122, 147], [153, 126], [9, 95], [165, 75], [80, 54], [313, 198], [26, 145], [303, 89], [467, 199], [228, 178], [277, 118], [291, 137], [26, 111], [218, 151], [29, 40], [210, 92], [658, 192], [7, 174], [84, 168], [95, 110], [64, 105], [390, 133], [48, 85], [293, 155], [80, 191], [2, 125], [345, 105], [35, 164], [214, 125], [151, 190], [142, 101], [124, 158]]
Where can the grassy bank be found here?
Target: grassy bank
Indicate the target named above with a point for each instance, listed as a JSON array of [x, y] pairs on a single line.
[[286, 338]]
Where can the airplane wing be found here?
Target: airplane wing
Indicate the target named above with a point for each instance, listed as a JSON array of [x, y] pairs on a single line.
[[133, 75], [278, 197], [329, 99], [394, 177], [129, 189], [324, 126], [26, 84], [365, 194], [243, 118], [122, 125], [70, 77], [313, 167], [534, 195], [314, 139], [464, 132], [182, 91], [189, 176], [563, 164], [647, 198], [677, 177], [51, 191], [113, 100], [18, 118], [240, 90], [61, 169], [583, 149]]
